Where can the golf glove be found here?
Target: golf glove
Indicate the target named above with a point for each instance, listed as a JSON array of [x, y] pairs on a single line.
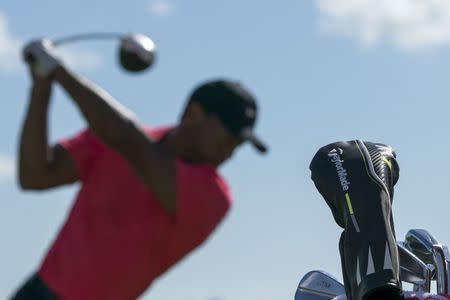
[[40, 55]]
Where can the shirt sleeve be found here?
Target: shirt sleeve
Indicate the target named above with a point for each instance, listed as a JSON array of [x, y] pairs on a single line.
[[203, 197], [83, 148]]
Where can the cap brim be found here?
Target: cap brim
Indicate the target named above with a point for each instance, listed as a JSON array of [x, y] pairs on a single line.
[[248, 135]]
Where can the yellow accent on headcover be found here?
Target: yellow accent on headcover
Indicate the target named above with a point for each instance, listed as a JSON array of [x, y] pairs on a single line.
[[349, 203], [389, 164]]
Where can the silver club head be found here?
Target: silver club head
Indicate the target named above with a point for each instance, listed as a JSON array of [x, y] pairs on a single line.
[[136, 52], [428, 249], [414, 270], [420, 242], [318, 285]]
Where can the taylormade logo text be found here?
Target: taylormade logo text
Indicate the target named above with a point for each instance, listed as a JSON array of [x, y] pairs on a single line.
[[341, 172]]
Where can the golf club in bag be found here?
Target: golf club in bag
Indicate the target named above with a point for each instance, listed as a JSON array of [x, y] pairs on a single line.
[[422, 260]]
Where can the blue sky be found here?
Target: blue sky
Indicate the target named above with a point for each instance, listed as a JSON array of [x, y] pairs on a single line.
[[322, 70]]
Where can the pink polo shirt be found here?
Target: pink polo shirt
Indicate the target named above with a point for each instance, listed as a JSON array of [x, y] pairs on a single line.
[[117, 238]]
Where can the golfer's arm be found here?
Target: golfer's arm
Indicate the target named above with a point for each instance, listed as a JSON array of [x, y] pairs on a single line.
[[41, 167], [117, 128]]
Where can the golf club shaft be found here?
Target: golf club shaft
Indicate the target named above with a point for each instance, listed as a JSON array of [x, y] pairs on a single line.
[[87, 36], [413, 270], [442, 263], [424, 245]]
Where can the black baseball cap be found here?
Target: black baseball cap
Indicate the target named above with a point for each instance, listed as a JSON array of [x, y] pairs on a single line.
[[234, 105]]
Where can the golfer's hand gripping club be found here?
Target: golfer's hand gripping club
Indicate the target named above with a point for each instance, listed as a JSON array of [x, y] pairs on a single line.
[[39, 54]]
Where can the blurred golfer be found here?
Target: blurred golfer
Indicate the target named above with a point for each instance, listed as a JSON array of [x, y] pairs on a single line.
[[148, 197]]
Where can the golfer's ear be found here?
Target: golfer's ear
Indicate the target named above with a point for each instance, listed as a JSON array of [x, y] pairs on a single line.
[[193, 113]]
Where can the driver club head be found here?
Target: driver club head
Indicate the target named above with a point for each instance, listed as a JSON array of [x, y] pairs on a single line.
[[318, 285], [137, 52]]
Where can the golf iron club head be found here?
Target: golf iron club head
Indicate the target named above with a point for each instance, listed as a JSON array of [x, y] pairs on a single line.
[[420, 242], [428, 249], [414, 270], [318, 285]]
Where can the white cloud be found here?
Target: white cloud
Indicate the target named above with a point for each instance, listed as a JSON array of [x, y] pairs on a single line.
[[11, 47], [407, 24], [161, 8], [7, 168]]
